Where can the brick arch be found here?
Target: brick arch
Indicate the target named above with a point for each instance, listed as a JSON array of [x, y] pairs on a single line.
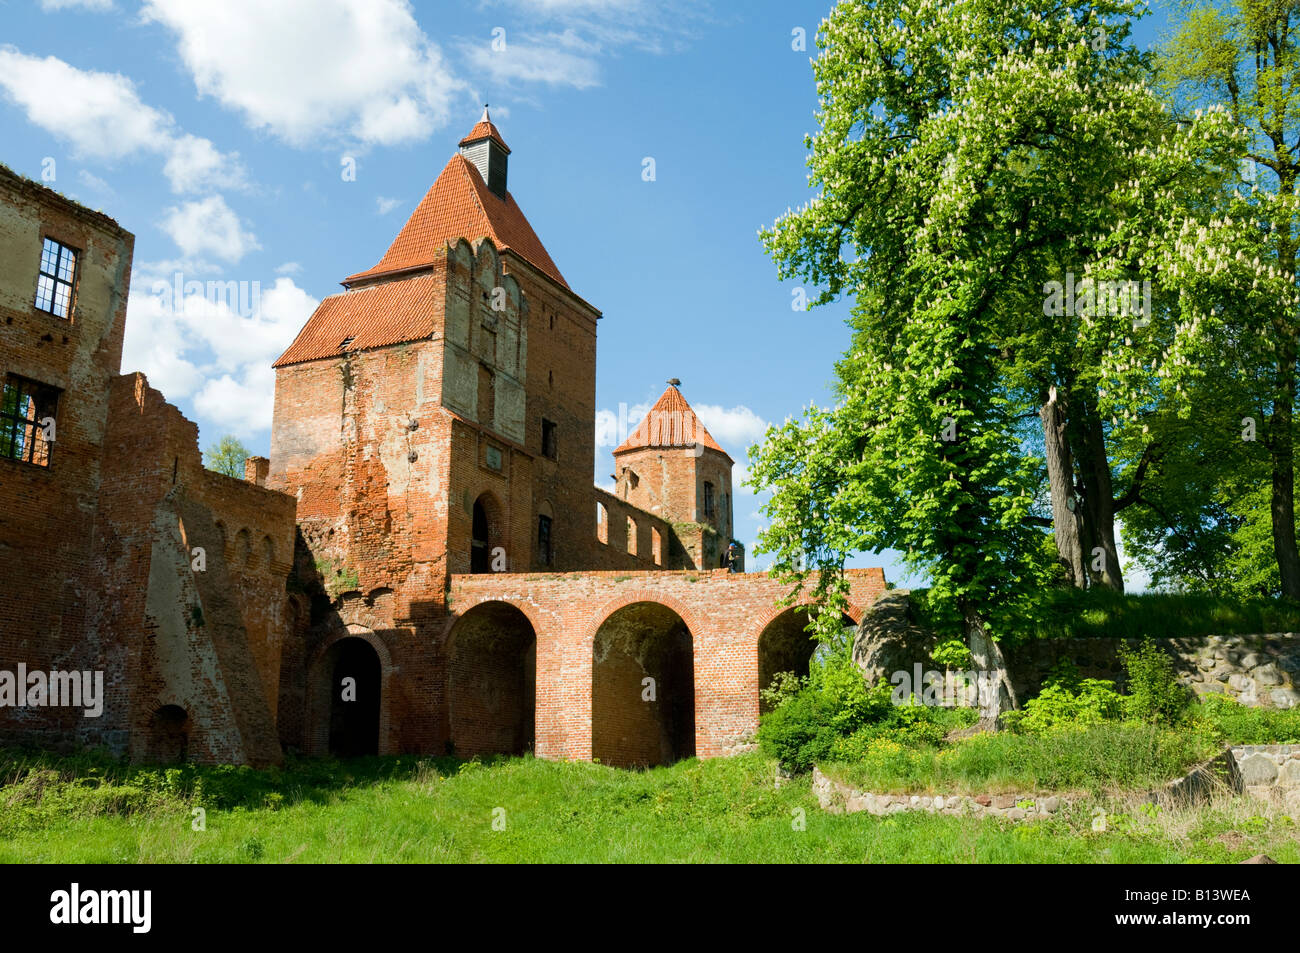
[[241, 555], [659, 638], [852, 610], [630, 598], [489, 653], [487, 263], [318, 690], [497, 533], [530, 613], [224, 539], [170, 747]]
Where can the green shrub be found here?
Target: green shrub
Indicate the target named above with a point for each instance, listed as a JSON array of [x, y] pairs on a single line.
[[1057, 707], [1154, 694], [785, 685], [837, 715]]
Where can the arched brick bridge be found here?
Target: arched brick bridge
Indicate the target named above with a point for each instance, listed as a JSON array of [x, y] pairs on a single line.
[[627, 667]]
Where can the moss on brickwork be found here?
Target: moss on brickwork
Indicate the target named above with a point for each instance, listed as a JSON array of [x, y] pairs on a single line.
[[338, 577]]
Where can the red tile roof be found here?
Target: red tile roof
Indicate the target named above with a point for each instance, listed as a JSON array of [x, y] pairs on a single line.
[[460, 205], [484, 129], [670, 423], [389, 313]]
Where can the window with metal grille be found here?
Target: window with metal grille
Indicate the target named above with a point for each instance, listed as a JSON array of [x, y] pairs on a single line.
[[708, 499], [56, 280], [27, 411], [544, 539]]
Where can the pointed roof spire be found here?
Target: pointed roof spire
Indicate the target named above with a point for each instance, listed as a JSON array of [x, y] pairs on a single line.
[[670, 423], [484, 129]]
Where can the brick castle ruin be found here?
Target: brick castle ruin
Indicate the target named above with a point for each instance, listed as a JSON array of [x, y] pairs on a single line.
[[422, 565]]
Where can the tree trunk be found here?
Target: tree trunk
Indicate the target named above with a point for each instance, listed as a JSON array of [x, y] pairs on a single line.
[[1099, 506], [1060, 480], [1282, 452], [995, 692]]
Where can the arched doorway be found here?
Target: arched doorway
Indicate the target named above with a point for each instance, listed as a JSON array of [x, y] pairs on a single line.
[[492, 676], [786, 645], [355, 687], [169, 730], [484, 534], [643, 688]]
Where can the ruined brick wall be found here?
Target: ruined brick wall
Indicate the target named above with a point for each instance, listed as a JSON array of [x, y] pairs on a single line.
[[198, 630], [47, 514], [645, 544], [372, 517]]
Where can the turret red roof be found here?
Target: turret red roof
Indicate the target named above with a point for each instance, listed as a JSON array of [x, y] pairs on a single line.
[[670, 423]]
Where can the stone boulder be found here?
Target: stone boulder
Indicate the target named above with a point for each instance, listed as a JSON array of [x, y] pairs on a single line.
[[1218, 775], [888, 640]]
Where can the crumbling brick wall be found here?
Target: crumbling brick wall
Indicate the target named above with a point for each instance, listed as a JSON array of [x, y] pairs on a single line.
[[47, 514]]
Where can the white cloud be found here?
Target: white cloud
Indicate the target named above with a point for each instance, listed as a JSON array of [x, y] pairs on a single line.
[[579, 6], [102, 117], [208, 226], [303, 69], [654, 26], [96, 6], [385, 205], [217, 344], [239, 404], [289, 268], [99, 113], [736, 427], [92, 181], [154, 344], [534, 60], [195, 163]]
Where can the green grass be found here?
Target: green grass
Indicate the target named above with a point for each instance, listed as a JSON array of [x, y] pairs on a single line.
[[1239, 725], [406, 810], [1101, 759], [1101, 613]]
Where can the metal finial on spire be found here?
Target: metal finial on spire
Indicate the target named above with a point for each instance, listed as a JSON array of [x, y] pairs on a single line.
[[485, 114]]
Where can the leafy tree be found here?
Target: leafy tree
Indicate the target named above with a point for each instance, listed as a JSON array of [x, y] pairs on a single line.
[[967, 152], [227, 456], [1243, 56]]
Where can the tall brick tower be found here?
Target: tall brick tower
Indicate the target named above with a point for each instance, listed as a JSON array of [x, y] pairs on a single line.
[[672, 467], [436, 416]]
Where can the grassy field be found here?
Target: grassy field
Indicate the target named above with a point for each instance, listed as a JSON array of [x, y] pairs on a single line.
[[404, 810]]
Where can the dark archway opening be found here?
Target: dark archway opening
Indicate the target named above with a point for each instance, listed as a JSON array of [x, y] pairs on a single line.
[[786, 645], [169, 730], [480, 555], [643, 688], [355, 687], [492, 677]]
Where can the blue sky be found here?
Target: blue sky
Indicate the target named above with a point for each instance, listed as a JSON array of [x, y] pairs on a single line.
[[220, 134]]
